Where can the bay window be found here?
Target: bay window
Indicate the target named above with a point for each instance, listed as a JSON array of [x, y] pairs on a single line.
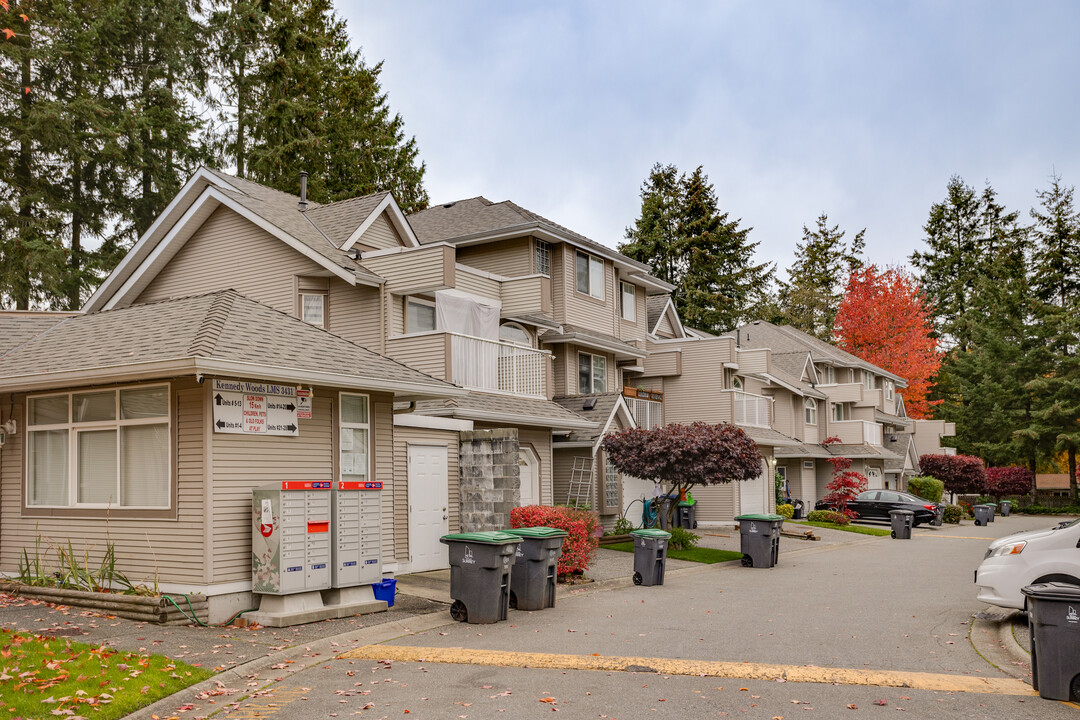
[[99, 449], [592, 373]]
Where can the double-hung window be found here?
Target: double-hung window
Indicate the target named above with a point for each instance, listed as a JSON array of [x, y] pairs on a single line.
[[355, 434], [543, 257], [868, 379], [628, 301], [419, 315], [592, 373], [590, 275], [839, 412], [99, 449], [889, 389]]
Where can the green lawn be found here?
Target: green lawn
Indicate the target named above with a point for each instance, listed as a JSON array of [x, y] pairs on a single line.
[[701, 555], [41, 675], [860, 529]]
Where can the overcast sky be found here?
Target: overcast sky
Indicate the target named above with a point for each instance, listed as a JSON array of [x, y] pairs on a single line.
[[862, 110]]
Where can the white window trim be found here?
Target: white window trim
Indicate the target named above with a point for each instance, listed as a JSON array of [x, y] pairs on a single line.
[[520, 327], [542, 248], [810, 411], [890, 390], [838, 413], [418, 301], [593, 292], [868, 380], [736, 383], [592, 371], [357, 426], [632, 315], [73, 429]]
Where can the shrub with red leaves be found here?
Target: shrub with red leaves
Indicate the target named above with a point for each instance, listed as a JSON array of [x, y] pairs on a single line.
[[1012, 480], [581, 527], [845, 485], [962, 474]]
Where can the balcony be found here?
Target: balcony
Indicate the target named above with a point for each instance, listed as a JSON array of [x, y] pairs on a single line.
[[473, 362], [856, 432], [749, 409]]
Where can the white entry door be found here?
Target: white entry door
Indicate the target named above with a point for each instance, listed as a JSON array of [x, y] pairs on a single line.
[[529, 467], [752, 492], [429, 516]]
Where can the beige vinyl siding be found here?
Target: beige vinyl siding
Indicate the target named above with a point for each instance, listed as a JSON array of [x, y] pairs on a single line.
[[385, 470], [147, 549], [428, 353], [403, 437], [698, 394], [353, 313], [663, 328], [873, 399], [526, 296], [637, 329], [584, 310], [380, 234], [242, 463], [410, 270], [566, 369], [717, 503], [477, 284], [783, 413], [510, 258], [753, 361], [847, 392], [664, 363], [812, 434], [226, 242]]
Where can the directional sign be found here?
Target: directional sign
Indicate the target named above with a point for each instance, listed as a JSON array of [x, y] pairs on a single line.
[[254, 408]]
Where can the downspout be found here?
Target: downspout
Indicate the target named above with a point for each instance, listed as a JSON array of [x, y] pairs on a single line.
[[404, 410]]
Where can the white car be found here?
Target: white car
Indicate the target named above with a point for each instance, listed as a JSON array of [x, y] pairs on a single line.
[[1025, 558]]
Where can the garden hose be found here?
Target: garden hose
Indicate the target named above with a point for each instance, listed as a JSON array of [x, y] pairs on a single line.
[[195, 618]]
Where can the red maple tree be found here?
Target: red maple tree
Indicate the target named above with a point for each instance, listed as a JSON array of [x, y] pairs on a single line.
[[885, 319], [845, 485]]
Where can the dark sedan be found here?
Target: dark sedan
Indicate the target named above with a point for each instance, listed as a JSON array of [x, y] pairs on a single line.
[[876, 504]]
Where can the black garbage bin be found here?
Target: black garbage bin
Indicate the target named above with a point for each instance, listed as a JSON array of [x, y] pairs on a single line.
[[687, 514], [993, 510], [1054, 624], [902, 521], [759, 539], [650, 555], [939, 515], [480, 565], [536, 567], [982, 514], [1006, 508], [799, 506]]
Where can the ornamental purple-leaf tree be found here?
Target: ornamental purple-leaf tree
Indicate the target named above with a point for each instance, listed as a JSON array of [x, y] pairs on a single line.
[[682, 456], [1012, 480], [961, 473]]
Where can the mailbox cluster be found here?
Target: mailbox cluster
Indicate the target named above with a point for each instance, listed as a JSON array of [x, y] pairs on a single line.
[[323, 534]]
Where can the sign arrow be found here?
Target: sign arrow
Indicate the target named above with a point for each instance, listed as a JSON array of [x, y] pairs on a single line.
[[220, 424], [290, 428], [217, 399], [290, 407]]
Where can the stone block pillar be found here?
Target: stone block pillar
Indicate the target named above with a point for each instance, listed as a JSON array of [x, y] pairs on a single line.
[[490, 478]]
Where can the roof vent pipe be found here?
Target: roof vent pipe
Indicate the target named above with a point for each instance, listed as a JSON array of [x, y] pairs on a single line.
[[303, 190]]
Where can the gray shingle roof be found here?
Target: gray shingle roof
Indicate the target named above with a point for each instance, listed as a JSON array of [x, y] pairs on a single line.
[[601, 411], [654, 308], [463, 218], [573, 332], [339, 220], [280, 209], [17, 326], [530, 411], [222, 325], [768, 436], [793, 363], [785, 339]]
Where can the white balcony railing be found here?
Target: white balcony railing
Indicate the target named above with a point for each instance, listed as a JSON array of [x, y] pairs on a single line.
[[749, 409], [492, 365]]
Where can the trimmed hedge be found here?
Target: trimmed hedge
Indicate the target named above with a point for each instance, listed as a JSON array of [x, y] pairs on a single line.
[[953, 514], [828, 516], [788, 511], [582, 529], [926, 487]]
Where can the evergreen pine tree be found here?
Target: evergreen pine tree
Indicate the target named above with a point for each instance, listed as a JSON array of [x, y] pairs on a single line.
[[654, 237], [721, 282], [812, 294], [1056, 253]]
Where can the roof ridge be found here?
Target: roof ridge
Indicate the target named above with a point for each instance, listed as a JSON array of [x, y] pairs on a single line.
[[31, 339], [159, 301], [357, 197], [212, 325]]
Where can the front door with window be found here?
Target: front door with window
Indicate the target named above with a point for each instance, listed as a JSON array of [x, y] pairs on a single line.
[[429, 517], [529, 468]]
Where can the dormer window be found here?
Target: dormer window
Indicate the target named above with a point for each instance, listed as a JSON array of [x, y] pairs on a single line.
[[313, 309], [590, 275]]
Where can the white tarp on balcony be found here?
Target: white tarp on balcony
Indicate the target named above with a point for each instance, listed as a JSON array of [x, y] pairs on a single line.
[[460, 312]]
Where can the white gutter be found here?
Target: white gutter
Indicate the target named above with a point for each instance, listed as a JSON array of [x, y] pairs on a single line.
[[513, 419]]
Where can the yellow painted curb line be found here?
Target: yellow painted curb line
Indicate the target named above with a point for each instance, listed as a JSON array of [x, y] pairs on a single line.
[[700, 668], [956, 537]]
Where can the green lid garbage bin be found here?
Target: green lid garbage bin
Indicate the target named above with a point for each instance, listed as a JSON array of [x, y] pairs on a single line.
[[759, 539], [536, 567], [1006, 508], [480, 566], [902, 521], [982, 514], [650, 555], [1054, 624], [686, 513]]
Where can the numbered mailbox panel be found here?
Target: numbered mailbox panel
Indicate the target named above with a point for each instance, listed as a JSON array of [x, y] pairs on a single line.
[[291, 537], [357, 534]]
